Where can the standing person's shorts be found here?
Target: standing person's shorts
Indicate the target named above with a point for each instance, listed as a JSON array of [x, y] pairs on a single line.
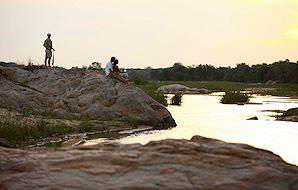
[[48, 53]]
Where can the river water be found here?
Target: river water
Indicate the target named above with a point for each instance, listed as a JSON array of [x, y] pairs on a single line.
[[203, 115]]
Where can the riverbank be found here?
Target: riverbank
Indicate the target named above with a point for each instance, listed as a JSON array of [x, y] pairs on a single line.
[[290, 90], [29, 131]]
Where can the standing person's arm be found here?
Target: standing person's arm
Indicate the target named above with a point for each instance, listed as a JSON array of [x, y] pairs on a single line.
[[52, 46]]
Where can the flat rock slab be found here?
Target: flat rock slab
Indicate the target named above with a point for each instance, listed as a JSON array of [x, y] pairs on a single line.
[[199, 163]]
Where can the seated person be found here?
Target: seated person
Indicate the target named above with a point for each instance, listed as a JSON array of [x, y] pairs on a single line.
[[115, 67], [109, 66], [113, 71], [121, 72]]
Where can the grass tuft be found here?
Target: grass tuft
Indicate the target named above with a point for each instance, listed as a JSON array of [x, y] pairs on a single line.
[[134, 123], [85, 126], [159, 97], [17, 132]]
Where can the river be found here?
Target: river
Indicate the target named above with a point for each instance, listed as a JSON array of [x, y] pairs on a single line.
[[203, 115]]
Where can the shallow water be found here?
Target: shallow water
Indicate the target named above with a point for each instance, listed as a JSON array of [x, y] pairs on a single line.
[[204, 115]]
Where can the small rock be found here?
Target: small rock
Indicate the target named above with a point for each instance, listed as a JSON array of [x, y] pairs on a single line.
[[253, 118]]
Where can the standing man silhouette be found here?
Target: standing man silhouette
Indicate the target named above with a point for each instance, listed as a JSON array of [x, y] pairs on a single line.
[[49, 47]]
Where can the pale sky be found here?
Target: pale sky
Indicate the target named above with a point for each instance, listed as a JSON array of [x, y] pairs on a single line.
[[154, 33]]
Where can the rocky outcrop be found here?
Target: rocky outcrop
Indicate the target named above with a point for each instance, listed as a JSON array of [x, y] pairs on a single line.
[[289, 115], [77, 92], [178, 88], [200, 163]]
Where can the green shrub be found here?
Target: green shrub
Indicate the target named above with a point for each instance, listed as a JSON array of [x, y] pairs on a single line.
[[17, 131], [139, 81], [159, 97], [85, 126], [43, 129], [176, 99], [14, 131], [27, 113], [134, 123], [234, 98], [54, 144], [51, 115], [24, 83], [66, 101], [62, 129]]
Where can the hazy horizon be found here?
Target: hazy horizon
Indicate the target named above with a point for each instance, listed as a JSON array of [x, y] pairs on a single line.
[[152, 33]]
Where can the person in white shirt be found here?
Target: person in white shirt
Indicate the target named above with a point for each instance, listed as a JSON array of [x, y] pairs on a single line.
[[113, 71], [109, 66]]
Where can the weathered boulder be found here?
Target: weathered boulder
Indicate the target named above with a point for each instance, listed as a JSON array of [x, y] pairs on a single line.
[[199, 163], [176, 88], [289, 115], [77, 92]]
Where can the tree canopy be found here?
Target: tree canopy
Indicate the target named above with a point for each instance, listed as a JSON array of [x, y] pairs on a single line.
[[281, 71]]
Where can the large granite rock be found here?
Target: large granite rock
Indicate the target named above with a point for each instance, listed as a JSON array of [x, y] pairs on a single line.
[[77, 92], [178, 88], [200, 163]]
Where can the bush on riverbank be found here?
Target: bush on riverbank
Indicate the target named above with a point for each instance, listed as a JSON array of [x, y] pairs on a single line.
[[159, 97], [234, 98], [176, 99]]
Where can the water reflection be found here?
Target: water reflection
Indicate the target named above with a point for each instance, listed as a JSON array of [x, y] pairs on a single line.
[[204, 115]]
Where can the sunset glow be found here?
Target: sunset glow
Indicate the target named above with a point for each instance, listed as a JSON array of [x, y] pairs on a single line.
[[150, 33]]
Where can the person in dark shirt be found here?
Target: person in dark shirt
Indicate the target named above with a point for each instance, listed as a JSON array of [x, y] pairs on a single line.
[[115, 73], [115, 67], [49, 47]]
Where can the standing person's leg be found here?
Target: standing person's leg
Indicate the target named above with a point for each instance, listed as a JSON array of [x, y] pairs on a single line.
[[49, 61], [45, 60], [48, 57]]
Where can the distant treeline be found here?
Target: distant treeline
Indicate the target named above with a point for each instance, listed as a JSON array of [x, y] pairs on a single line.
[[282, 72]]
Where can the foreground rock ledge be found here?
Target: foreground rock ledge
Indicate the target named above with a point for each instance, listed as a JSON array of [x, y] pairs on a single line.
[[200, 163]]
